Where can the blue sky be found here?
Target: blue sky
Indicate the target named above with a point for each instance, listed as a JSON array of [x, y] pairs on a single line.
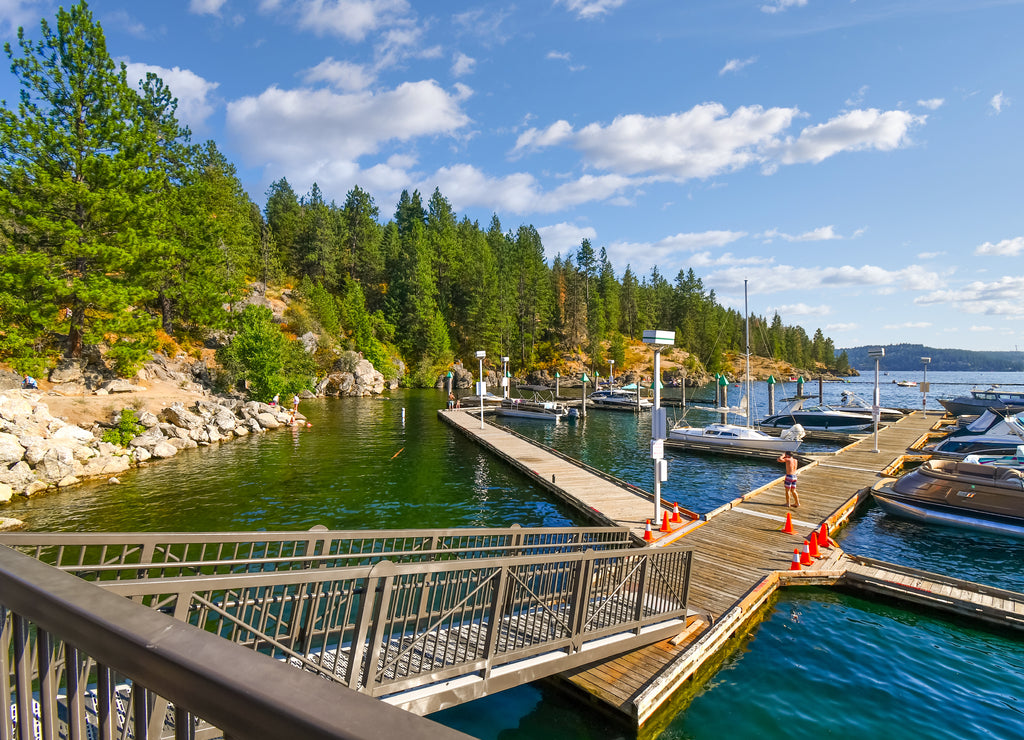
[[857, 161]]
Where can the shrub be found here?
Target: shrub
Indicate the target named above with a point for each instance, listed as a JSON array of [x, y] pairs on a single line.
[[127, 429]]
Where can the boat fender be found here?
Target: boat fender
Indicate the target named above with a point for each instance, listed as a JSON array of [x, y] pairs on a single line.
[[794, 432]]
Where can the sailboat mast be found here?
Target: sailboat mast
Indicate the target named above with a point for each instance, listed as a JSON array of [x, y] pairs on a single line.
[[746, 319]]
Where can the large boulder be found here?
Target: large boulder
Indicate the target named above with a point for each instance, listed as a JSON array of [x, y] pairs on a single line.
[[67, 371], [178, 415], [57, 463], [164, 450], [72, 433], [11, 450]]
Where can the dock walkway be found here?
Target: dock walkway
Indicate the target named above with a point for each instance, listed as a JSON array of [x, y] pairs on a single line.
[[741, 554]]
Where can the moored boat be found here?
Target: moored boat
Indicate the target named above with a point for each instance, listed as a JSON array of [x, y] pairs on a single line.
[[1016, 460], [992, 433], [617, 398], [959, 494], [737, 437], [524, 408], [849, 401], [820, 418], [979, 400]]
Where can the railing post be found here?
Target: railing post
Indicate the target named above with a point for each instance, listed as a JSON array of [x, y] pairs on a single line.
[[581, 596], [641, 590], [48, 665], [494, 620], [383, 573], [22, 677]]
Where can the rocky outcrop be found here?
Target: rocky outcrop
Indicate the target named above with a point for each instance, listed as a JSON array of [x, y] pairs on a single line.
[[362, 379], [39, 451]]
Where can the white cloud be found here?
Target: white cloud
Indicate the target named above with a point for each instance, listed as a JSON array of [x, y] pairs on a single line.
[[320, 134], [341, 75], [735, 65], [777, 6], [909, 325], [206, 7], [841, 327], [822, 233], [929, 255], [676, 249], [998, 102], [562, 238], [590, 8], [563, 55], [932, 103], [857, 97], [1005, 248], [853, 131], [484, 26], [194, 94], [463, 65], [800, 309], [122, 20], [998, 298], [707, 140], [775, 278], [976, 327], [349, 19], [15, 13]]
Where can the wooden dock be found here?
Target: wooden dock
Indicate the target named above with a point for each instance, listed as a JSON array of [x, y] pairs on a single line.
[[742, 556]]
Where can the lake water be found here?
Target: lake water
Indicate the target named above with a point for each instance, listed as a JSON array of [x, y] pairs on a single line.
[[820, 663]]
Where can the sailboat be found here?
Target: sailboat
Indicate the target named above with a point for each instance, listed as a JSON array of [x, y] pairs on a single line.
[[735, 435]]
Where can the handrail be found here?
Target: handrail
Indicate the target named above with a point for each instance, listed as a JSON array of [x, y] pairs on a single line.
[[60, 633], [149, 555], [390, 627]]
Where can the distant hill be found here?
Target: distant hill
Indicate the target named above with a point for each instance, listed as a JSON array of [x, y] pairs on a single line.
[[907, 357]]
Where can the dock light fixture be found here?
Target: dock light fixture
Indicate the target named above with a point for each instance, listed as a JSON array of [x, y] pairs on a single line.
[[659, 340], [877, 354], [583, 405], [611, 374], [481, 387], [924, 387], [505, 385]]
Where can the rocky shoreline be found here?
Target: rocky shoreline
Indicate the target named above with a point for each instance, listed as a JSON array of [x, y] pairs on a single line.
[[40, 452]]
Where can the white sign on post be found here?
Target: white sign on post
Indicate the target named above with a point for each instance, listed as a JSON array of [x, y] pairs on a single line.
[[657, 449], [659, 420]]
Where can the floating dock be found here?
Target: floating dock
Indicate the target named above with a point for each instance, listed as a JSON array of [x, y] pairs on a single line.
[[742, 555]]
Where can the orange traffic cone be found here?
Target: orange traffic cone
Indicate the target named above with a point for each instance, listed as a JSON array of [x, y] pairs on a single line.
[[805, 554], [664, 523], [814, 545], [788, 529], [676, 519], [648, 537], [823, 539], [795, 565]]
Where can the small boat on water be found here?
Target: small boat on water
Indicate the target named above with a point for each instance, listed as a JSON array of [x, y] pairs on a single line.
[[738, 437], [820, 418], [524, 408], [618, 398], [995, 432], [958, 494], [979, 400], [906, 383], [849, 401], [735, 436]]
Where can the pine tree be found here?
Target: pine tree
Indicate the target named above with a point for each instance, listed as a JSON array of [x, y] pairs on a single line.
[[82, 176]]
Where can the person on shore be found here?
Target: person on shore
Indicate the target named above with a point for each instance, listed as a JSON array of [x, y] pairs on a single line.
[[29, 382], [276, 399], [295, 404], [790, 462], [451, 400]]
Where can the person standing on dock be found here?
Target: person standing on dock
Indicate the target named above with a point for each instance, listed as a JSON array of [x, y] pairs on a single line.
[[790, 462]]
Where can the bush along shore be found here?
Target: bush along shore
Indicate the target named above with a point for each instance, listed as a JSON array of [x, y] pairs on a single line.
[[40, 452]]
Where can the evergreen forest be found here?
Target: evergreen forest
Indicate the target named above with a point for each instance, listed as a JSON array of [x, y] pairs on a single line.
[[118, 231]]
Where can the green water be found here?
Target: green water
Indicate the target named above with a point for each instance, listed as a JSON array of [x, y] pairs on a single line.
[[821, 664]]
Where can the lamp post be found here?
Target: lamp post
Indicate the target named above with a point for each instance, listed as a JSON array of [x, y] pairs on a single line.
[[481, 387], [611, 375], [924, 387], [877, 354], [659, 340], [585, 380], [504, 378]]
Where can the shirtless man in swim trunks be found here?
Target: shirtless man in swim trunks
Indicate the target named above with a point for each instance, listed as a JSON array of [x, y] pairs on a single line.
[[791, 463]]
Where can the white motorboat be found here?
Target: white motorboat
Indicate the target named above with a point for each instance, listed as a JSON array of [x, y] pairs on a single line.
[[823, 418], [979, 400], [849, 401], [736, 436], [1016, 460], [524, 408], [618, 398]]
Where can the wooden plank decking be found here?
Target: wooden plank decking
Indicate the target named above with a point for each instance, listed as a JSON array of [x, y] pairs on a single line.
[[739, 549]]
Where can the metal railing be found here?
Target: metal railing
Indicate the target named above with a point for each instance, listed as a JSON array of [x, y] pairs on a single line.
[[102, 556], [85, 663], [425, 635]]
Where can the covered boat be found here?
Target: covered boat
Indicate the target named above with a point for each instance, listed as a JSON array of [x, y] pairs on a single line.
[[979, 400], [958, 494], [989, 434]]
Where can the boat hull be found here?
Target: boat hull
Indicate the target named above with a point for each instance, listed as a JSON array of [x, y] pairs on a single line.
[[846, 423], [703, 438], [934, 514]]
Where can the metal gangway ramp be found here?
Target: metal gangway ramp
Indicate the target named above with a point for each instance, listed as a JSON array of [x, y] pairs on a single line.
[[421, 619]]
